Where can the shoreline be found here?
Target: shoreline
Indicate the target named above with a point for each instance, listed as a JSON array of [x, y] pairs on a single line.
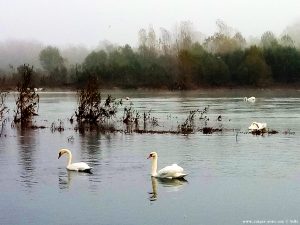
[[69, 88]]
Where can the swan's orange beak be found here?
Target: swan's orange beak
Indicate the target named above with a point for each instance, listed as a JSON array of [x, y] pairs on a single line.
[[150, 156]]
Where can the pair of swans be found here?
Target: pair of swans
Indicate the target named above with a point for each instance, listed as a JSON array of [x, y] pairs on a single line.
[[170, 172]]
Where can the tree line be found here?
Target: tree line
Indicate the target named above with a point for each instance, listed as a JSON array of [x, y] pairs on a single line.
[[176, 60]]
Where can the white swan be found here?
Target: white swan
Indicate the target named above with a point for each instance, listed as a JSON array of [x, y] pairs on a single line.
[[173, 171], [255, 126], [80, 166], [251, 99]]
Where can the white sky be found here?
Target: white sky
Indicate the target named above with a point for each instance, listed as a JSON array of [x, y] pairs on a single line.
[[62, 22]]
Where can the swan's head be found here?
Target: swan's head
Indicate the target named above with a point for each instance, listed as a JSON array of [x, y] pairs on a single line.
[[152, 155], [62, 151]]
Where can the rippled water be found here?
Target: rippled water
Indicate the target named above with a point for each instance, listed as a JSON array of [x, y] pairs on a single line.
[[232, 179]]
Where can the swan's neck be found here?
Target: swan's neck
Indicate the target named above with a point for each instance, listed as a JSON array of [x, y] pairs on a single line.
[[69, 157], [154, 167]]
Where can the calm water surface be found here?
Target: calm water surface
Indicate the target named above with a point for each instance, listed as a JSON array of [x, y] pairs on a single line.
[[232, 179]]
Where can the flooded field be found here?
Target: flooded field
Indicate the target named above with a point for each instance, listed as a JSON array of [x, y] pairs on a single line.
[[234, 177]]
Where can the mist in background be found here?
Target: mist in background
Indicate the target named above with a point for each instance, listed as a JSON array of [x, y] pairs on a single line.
[[189, 41]]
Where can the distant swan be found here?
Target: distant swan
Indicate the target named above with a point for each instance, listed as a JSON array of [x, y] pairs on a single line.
[[173, 171], [255, 126], [251, 99], [80, 166]]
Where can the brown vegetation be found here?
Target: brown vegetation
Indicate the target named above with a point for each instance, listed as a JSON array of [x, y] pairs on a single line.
[[91, 110], [28, 100]]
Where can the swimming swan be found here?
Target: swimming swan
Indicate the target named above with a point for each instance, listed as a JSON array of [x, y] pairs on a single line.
[[80, 166], [173, 171], [251, 99]]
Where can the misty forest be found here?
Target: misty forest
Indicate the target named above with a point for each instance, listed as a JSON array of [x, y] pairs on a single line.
[[177, 60]]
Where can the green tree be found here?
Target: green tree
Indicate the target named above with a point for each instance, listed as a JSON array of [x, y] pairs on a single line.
[[233, 60], [186, 68], [254, 69], [284, 62], [268, 40], [51, 59], [287, 41], [96, 63], [53, 63], [215, 70]]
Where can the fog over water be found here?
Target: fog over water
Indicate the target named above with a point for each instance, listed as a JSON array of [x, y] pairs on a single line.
[[77, 28]]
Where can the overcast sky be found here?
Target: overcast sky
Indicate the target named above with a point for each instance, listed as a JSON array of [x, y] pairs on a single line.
[[62, 22]]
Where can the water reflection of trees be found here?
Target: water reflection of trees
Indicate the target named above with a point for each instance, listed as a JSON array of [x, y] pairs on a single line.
[[90, 145], [172, 185], [26, 139]]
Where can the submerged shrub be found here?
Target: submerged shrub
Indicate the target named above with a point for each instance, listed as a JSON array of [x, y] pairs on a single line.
[[3, 111], [28, 100], [91, 109], [3, 107]]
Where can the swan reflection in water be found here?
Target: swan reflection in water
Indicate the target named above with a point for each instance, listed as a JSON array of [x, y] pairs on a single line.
[[65, 178], [172, 185]]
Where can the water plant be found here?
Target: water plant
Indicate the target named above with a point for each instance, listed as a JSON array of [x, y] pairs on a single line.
[[3, 107], [28, 100], [91, 110], [188, 126], [131, 119], [60, 127], [3, 110]]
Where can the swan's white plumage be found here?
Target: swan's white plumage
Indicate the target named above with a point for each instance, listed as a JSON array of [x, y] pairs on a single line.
[[173, 171], [251, 99], [80, 166], [257, 126]]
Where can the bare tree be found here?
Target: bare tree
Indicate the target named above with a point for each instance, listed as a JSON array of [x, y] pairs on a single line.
[[165, 41], [151, 40]]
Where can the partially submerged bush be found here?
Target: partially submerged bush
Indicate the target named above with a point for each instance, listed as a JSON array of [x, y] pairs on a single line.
[[28, 100], [91, 109], [150, 119], [59, 127], [3, 107], [190, 125], [131, 116], [3, 111]]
